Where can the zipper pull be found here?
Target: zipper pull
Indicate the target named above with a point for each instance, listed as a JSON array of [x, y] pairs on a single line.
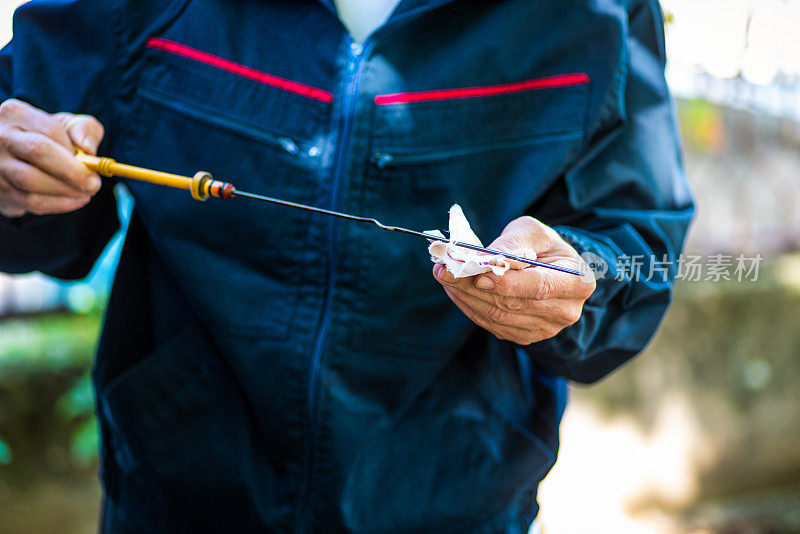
[[382, 159], [288, 145]]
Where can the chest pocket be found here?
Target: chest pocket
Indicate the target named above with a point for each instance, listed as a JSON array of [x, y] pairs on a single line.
[[239, 261], [493, 150]]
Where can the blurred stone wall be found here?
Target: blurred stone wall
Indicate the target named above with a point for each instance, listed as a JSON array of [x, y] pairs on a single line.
[[743, 168], [732, 354]]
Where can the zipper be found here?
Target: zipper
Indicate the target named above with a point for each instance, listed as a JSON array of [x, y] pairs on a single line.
[[356, 54], [202, 114], [353, 69], [382, 160]]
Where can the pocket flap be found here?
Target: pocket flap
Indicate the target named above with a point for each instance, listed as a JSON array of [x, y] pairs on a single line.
[[481, 116], [222, 86]]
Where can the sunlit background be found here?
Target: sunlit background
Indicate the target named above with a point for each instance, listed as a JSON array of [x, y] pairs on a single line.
[[701, 434]]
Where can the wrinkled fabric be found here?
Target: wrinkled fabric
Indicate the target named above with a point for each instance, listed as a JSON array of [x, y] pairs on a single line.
[[463, 262], [265, 369]]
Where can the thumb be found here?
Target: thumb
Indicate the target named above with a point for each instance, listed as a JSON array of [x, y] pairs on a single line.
[[85, 131], [526, 237]]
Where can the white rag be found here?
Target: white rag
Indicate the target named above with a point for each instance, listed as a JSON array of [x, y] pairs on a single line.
[[463, 262]]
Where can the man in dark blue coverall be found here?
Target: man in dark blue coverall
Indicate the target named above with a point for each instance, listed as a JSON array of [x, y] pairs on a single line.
[[263, 369]]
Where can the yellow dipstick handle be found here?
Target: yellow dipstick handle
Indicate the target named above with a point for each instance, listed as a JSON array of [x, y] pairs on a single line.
[[201, 186]]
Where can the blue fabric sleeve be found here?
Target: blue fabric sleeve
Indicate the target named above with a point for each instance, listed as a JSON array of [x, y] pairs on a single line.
[[626, 199], [61, 58]]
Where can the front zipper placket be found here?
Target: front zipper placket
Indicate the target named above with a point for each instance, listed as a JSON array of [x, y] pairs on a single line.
[[356, 54], [355, 61]]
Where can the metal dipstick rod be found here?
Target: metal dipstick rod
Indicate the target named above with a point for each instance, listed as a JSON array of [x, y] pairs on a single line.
[[203, 185]]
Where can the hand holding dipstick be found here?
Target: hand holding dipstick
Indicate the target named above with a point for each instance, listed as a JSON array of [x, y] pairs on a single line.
[[38, 172]]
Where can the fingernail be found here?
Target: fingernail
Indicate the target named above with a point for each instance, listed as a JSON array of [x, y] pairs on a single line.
[[484, 282], [92, 184], [88, 145], [446, 277]]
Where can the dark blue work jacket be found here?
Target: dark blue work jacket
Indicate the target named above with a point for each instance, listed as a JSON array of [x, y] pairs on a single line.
[[264, 369]]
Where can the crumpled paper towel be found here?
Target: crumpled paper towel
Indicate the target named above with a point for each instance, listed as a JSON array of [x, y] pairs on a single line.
[[463, 262]]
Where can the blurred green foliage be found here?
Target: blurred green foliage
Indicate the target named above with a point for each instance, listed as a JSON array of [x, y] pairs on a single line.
[[48, 342], [5, 453], [47, 425], [702, 126], [78, 404]]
